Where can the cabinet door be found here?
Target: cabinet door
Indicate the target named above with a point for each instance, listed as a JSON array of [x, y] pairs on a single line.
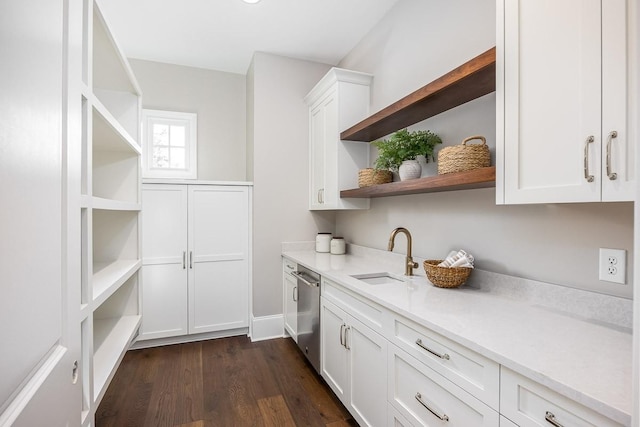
[[40, 337], [552, 100], [164, 246], [218, 258], [618, 113], [323, 124], [333, 322], [367, 352], [291, 305]]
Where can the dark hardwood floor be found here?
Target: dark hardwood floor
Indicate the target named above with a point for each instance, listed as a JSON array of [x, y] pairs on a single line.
[[222, 382]]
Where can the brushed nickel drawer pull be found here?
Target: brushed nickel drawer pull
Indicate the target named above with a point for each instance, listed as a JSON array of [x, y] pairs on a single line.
[[587, 176], [551, 419], [612, 175], [295, 288], [341, 334], [444, 356], [442, 417]]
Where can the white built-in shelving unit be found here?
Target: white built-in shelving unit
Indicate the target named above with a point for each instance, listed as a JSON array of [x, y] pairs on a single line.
[[110, 208]]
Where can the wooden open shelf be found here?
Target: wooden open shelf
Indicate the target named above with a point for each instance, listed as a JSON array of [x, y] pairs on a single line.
[[469, 81], [477, 178]]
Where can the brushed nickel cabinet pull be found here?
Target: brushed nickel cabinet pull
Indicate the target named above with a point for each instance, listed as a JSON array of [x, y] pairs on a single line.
[[442, 417], [444, 356], [612, 175], [551, 419], [587, 176], [346, 342], [191, 260], [341, 334], [184, 260], [295, 288]]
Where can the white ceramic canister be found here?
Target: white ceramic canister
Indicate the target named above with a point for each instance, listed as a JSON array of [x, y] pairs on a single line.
[[338, 246], [323, 242]]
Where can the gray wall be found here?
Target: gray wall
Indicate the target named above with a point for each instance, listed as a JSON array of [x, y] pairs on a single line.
[[217, 97], [280, 135], [416, 42]]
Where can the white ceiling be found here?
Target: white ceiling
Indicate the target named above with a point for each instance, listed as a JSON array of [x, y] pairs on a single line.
[[224, 34]]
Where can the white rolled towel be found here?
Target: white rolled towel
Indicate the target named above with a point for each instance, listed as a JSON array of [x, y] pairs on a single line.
[[457, 259]]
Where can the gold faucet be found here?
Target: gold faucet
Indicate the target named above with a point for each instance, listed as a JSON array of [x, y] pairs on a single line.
[[409, 264]]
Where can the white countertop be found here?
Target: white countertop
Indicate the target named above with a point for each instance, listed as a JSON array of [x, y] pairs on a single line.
[[587, 361]]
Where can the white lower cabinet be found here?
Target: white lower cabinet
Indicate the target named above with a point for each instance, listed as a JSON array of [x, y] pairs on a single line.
[[290, 298], [389, 370], [530, 404], [354, 364], [195, 264], [426, 398]]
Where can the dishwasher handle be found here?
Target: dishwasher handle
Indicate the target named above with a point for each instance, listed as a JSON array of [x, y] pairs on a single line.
[[305, 279]]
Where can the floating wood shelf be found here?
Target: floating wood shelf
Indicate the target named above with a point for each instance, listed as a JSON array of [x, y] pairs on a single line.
[[469, 81], [477, 178]]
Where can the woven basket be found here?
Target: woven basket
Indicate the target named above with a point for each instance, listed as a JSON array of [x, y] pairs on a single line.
[[444, 277], [370, 176], [463, 157]]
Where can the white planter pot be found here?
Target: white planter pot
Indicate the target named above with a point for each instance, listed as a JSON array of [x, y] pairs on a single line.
[[409, 169]]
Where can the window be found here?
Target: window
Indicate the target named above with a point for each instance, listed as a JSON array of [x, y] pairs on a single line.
[[170, 144]]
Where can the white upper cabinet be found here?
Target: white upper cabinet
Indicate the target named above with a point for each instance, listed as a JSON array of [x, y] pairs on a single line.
[[563, 101], [338, 101]]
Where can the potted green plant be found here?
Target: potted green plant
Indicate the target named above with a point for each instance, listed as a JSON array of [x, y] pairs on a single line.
[[399, 152]]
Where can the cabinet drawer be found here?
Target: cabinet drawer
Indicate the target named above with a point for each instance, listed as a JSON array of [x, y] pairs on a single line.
[[528, 404], [426, 398], [368, 313], [288, 266], [471, 371]]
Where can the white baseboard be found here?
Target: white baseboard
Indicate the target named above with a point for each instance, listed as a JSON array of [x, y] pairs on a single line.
[[267, 327], [182, 339]]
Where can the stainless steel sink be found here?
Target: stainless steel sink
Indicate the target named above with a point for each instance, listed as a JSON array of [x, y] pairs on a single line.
[[378, 278]]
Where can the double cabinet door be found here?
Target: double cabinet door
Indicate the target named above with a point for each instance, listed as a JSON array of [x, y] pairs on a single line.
[[565, 105], [195, 244], [354, 364]]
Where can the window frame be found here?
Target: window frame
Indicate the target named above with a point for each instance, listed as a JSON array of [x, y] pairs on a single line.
[[190, 144]]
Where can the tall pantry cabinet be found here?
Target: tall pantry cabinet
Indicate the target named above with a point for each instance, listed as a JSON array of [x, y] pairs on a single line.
[[196, 261], [110, 208]]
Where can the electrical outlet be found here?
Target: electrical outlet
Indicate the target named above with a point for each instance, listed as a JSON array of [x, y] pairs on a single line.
[[612, 265]]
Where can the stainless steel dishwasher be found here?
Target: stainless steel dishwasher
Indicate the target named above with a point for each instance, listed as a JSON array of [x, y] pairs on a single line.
[[309, 314]]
